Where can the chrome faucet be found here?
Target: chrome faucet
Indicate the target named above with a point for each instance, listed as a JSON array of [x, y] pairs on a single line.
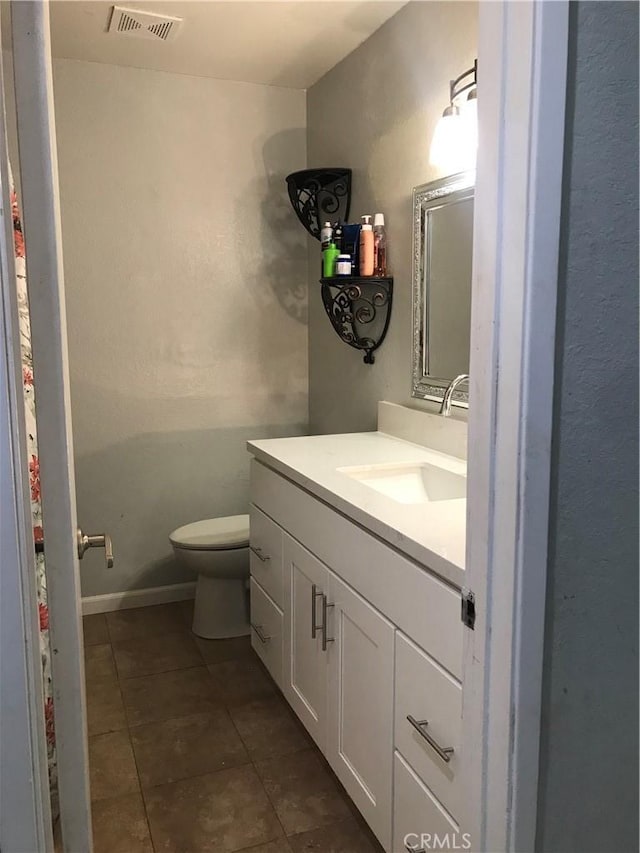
[[445, 408]]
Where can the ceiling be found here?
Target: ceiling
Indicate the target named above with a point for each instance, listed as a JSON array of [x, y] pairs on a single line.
[[277, 43]]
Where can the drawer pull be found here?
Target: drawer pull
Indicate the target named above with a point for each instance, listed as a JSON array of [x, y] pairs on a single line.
[[325, 640], [261, 635], [445, 752], [258, 552], [314, 624]]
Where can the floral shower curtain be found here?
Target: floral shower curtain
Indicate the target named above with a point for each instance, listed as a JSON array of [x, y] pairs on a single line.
[[34, 481]]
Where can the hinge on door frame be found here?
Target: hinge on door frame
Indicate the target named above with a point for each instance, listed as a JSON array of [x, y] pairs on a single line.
[[468, 609]]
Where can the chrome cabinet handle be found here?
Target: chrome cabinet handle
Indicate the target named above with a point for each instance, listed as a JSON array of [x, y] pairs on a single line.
[[261, 635], [101, 540], [444, 752], [258, 552], [314, 624], [325, 640]]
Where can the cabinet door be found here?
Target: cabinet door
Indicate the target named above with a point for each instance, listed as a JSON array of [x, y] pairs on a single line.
[[305, 663], [360, 704]]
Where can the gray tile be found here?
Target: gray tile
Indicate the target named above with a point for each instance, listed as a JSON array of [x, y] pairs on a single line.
[[105, 711], [156, 653], [94, 628], [120, 825], [216, 651], [219, 812], [168, 694], [269, 728], [303, 791], [346, 836], [99, 664], [144, 622], [281, 845], [187, 746], [240, 681], [112, 767]]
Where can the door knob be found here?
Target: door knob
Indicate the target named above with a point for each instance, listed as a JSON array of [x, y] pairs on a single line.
[[102, 540]]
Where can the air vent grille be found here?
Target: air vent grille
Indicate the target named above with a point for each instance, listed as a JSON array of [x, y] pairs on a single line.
[[151, 26]]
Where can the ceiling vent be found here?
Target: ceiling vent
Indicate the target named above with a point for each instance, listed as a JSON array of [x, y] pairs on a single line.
[[143, 25]]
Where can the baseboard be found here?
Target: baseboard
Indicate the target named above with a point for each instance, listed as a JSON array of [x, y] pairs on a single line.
[[137, 598]]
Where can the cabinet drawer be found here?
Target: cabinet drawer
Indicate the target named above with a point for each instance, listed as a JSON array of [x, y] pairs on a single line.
[[266, 631], [266, 553], [418, 816], [426, 692]]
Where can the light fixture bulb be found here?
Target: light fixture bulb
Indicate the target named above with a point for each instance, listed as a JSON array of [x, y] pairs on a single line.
[[455, 139]]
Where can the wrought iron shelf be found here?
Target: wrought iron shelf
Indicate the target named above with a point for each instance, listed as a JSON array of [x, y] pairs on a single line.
[[359, 308], [320, 194]]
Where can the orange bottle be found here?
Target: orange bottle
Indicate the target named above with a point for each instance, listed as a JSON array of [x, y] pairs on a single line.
[[366, 247]]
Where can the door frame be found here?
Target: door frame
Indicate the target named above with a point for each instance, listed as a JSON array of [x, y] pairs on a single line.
[[40, 198], [24, 778], [522, 75], [522, 61]]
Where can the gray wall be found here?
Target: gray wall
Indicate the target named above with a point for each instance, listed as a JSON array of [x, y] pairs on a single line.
[[375, 112], [186, 297], [589, 752]]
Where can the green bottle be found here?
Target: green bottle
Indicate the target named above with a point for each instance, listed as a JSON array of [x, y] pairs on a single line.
[[329, 258]]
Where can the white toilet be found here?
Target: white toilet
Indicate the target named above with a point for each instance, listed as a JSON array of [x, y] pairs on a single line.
[[218, 550]]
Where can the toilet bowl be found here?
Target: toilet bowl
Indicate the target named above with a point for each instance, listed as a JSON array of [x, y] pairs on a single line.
[[217, 549]]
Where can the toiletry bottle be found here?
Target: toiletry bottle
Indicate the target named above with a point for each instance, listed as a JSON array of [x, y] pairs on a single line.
[[337, 235], [329, 258], [366, 246], [326, 235], [379, 246], [343, 265]]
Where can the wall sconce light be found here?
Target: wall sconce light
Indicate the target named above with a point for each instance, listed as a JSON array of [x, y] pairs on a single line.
[[455, 139]]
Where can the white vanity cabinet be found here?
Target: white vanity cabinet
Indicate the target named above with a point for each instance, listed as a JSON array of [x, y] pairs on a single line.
[[366, 639]]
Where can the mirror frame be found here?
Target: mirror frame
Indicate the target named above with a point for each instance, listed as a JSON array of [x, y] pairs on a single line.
[[427, 387]]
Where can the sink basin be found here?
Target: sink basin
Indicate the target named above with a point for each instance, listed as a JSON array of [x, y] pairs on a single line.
[[411, 483]]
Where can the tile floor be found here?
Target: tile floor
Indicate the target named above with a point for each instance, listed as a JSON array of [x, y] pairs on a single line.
[[192, 747]]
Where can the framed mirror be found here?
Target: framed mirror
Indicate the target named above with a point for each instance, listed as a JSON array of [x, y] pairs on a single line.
[[442, 256]]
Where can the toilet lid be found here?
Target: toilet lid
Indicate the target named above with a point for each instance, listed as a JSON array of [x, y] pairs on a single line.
[[213, 534]]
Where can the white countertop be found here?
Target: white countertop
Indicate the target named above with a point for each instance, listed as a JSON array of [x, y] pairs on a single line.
[[432, 534]]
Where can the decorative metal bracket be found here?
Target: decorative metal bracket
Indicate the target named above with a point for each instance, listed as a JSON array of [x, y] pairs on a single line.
[[359, 309], [318, 195], [465, 82]]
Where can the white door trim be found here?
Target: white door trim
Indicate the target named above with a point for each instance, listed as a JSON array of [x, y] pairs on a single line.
[[522, 59], [25, 822], [41, 220]]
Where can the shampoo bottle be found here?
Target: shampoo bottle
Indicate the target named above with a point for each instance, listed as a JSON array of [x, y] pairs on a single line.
[[379, 246], [366, 247]]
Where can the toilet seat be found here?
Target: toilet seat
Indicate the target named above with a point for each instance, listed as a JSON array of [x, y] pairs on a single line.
[[213, 534]]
